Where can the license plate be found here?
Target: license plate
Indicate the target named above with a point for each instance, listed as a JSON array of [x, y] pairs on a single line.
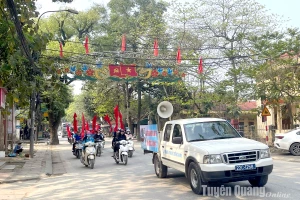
[[245, 167]]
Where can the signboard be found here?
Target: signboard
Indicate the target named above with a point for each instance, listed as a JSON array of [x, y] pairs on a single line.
[[265, 112], [150, 135], [2, 97]]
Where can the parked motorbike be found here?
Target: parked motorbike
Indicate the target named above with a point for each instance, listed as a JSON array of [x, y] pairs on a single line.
[[122, 154], [78, 149], [99, 147], [88, 157], [130, 145]]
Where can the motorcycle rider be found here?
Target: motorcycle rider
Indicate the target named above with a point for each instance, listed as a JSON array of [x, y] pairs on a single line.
[[77, 138], [99, 135], [116, 134], [87, 138], [119, 137], [128, 134]]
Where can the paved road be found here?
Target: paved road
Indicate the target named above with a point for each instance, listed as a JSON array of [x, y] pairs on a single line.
[[138, 181]]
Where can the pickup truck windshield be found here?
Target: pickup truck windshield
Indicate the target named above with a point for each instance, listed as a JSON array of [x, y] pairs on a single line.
[[209, 131]]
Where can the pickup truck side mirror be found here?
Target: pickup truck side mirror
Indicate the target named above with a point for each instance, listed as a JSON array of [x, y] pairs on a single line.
[[177, 140]]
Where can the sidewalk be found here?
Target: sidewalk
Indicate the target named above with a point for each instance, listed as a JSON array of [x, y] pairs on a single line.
[[46, 162], [14, 169]]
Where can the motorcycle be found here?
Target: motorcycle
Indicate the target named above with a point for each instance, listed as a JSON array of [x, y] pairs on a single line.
[[78, 149], [71, 139], [88, 157], [122, 154], [130, 146], [99, 147]]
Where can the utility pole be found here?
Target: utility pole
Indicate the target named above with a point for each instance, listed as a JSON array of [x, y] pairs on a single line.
[[32, 118]]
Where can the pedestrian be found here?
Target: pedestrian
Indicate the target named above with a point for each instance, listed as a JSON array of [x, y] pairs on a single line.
[[18, 148]]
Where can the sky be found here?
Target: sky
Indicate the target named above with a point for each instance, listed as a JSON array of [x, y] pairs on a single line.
[[288, 10]]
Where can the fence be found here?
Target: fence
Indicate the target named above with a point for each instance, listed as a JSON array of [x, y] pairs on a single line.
[[261, 133]]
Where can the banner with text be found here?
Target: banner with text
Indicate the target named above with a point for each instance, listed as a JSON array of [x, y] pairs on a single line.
[[149, 134]]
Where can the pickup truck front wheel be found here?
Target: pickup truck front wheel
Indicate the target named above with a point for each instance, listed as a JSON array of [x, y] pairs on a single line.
[[194, 177], [161, 170], [259, 181]]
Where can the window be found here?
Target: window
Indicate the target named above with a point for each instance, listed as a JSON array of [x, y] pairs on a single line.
[[209, 130], [167, 132], [177, 131]]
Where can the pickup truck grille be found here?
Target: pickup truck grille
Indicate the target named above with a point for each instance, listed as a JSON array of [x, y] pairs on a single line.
[[241, 157]]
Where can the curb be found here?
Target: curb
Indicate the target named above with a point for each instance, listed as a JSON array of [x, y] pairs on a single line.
[[22, 179], [48, 167]]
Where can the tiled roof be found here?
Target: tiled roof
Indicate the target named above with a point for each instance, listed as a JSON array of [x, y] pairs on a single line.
[[249, 105]]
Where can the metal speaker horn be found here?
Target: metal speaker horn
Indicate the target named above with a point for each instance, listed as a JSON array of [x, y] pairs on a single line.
[[165, 109]]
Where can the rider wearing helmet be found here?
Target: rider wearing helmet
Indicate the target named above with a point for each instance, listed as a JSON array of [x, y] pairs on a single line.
[[99, 135], [76, 137], [119, 137], [115, 135], [87, 138]]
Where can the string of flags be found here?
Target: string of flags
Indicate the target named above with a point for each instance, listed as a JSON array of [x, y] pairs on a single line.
[[123, 49]]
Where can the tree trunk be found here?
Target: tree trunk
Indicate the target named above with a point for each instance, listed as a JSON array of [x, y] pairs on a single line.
[[2, 134], [139, 109], [54, 124]]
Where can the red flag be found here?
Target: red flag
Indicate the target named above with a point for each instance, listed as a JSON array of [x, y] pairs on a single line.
[[98, 126], [116, 112], [200, 67], [121, 121], [106, 118], [178, 58], [94, 124], [128, 70], [75, 123], [123, 46], [61, 50], [155, 47], [82, 126], [86, 45], [115, 70], [68, 131], [87, 127]]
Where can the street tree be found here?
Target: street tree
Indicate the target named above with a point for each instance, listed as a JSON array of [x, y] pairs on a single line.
[[225, 28]]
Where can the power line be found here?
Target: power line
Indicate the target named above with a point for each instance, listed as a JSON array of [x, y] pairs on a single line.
[[102, 54]]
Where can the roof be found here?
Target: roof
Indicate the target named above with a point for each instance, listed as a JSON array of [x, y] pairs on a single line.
[[244, 106], [249, 105], [194, 120]]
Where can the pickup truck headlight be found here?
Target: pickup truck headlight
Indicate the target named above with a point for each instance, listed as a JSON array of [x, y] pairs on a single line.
[[212, 159], [265, 153]]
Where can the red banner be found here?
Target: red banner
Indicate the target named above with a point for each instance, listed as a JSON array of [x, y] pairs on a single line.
[[123, 71]]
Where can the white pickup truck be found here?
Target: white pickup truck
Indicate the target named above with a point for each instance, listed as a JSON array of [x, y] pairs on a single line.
[[210, 150]]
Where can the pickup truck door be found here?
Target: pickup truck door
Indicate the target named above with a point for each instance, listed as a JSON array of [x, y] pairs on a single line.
[[165, 140], [176, 148]]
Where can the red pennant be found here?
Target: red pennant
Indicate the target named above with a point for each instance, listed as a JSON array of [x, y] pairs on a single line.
[[123, 46], [155, 47], [86, 45], [82, 126], [200, 67], [87, 127], [61, 50], [68, 131], [106, 118], [121, 121], [116, 112], [94, 124], [178, 58], [75, 123]]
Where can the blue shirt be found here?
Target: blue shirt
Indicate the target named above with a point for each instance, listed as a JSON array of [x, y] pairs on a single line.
[[17, 147], [77, 137]]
